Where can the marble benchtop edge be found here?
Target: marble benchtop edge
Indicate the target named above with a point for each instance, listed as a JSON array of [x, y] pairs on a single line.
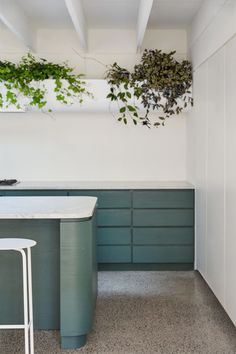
[[47, 207], [81, 185]]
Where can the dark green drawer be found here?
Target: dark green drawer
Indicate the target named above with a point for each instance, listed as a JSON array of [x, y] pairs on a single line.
[[114, 217], [163, 254], [37, 193], [163, 235], [163, 217], [113, 236], [114, 254], [107, 199], [163, 199], [2, 194]]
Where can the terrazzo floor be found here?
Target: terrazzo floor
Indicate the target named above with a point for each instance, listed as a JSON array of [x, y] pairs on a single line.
[[146, 313]]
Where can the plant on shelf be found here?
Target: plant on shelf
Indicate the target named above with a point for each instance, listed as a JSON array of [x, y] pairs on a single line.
[[26, 80], [159, 83]]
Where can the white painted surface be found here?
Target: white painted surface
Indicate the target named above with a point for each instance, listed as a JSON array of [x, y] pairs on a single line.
[[95, 102], [230, 181], [206, 13], [99, 185], [197, 163], [112, 14], [17, 22], [70, 147], [212, 31], [76, 11], [215, 175], [108, 14], [91, 146], [145, 8], [47, 207], [175, 14], [213, 130]]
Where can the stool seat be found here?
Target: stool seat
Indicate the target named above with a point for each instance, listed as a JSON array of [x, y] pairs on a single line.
[[15, 243]]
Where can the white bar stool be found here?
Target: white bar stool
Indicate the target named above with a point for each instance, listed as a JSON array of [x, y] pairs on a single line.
[[19, 244]]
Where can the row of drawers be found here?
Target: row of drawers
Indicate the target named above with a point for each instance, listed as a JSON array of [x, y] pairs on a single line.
[[123, 199], [145, 236], [145, 217], [146, 254], [135, 226], [145, 245]]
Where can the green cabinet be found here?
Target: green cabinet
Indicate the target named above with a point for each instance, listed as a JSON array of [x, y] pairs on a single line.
[[139, 229], [163, 236], [114, 254], [114, 220], [163, 217], [163, 254], [107, 198], [114, 235], [163, 227], [170, 199]]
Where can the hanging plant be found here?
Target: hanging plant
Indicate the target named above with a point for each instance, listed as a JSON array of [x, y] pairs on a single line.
[[25, 80], [159, 83]]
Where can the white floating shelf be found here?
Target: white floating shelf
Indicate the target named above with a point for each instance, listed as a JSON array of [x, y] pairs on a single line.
[[99, 102]]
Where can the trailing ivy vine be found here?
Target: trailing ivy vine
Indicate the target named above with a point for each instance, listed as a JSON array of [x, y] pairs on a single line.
[[25, 79], [156, 84]]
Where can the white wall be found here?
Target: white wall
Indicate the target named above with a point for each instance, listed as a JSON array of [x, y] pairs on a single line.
[[211, 135], [91, 146]]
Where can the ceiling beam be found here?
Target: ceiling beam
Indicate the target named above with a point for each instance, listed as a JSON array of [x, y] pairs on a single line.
[[17, 22], [76, 12], [145, 8]]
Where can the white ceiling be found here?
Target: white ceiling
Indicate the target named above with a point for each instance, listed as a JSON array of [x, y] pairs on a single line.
[[46, 13], [173, 13], [111, 13]]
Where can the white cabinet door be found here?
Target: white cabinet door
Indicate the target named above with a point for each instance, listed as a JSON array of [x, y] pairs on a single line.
[[230, 241], [215, 175], [200, 116]]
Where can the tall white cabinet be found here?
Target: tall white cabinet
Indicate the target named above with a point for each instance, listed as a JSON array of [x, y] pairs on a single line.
[[215, 173], [230, 180], [212, 156], [213, 129]]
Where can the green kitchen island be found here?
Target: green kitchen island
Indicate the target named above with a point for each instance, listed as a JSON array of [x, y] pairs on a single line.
[[64, 263]]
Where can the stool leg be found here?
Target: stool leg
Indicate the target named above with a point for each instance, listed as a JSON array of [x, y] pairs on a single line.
[[25, 297], [31, 325]]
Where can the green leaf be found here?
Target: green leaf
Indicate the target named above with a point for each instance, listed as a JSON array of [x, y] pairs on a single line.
[[122, 109], [131, 108]]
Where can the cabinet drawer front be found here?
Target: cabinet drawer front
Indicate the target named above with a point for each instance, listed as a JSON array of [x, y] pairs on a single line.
[[36, 193], [163, 199], [163, 217], [107, 199], [113, 236], [2, 194], [114, 254], [114, 217], [163, 254], [163, 236]]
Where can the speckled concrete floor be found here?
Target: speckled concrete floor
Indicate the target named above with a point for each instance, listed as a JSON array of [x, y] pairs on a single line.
[[146, 313]]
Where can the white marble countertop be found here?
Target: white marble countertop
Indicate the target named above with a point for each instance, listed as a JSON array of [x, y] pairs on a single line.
[[47, 207], [99, 185]]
